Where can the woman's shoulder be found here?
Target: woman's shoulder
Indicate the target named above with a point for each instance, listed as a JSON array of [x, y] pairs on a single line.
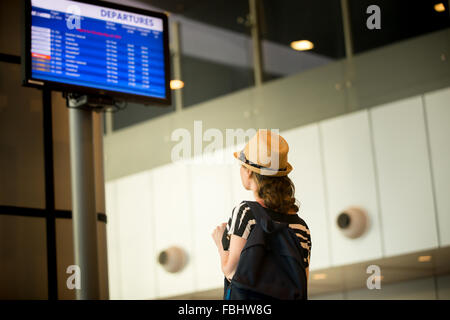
[[301, 220], [241, 221], [243, 208], [302, 230], [301, 224]]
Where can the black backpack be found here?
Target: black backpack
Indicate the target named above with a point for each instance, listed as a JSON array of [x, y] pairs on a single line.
[[271, 263]]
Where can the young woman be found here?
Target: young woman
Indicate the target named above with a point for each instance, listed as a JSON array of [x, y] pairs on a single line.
[[272, 189]]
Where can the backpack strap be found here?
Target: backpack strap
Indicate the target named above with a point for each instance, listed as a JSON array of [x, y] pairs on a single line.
[[263, 219]]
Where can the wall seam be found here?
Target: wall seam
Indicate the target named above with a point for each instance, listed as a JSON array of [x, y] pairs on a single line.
[[9, 58], [436, 287], [42, 213], [117, 231], [377, 181], [325, 191], [192, 218], [152, 231], [430, 162]]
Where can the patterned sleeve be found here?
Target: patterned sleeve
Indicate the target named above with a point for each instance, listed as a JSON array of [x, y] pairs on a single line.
[[239, 224], [304, 235]]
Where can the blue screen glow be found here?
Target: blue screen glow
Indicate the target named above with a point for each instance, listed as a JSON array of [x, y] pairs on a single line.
[[94, 46]]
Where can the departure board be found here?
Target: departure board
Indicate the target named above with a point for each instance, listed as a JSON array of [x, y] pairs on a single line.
[[100, 47]]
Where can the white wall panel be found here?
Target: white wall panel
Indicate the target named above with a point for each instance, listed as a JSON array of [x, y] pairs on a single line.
[[113, 241], [211, 205], [337, 163], [407, 210], [304, 156], [438, 118], [350, 181], [238, 192], [173, 226], [136, 243]]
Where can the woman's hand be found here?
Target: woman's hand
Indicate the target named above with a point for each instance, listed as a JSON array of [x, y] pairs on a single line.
[[218, 233]]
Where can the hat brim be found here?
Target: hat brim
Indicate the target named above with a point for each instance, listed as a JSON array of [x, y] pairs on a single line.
[[263, 172]]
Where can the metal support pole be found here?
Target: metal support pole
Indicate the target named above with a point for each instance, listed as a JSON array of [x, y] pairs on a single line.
[[350, 73], [83, 202], [109, 123], [347, 30], [176, 54], [256, 41]]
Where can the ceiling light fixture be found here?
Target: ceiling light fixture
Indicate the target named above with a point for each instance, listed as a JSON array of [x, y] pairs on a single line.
[[319, 276], [176, 84], [424, 258], [439, 7], [302, 45]]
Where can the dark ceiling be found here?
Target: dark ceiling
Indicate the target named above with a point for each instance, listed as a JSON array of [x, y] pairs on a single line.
[[284, 21], [400, 19]]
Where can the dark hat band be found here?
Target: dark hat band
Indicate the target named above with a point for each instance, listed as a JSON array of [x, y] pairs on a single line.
[[255, 165]]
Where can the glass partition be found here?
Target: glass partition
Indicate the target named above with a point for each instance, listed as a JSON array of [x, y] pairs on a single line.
[[216, 51], [377, 23], [300, 35]]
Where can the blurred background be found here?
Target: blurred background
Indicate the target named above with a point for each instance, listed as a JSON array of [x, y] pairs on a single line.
[[366, 113]]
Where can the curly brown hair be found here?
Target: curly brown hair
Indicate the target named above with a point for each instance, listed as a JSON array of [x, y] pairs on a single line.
[[278, 193]]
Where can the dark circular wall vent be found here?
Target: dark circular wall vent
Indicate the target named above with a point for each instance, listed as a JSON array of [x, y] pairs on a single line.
[[353, 222], [173, 259]]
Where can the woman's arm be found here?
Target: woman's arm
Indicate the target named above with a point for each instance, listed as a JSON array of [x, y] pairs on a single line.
[[228, 259], [229, 264]]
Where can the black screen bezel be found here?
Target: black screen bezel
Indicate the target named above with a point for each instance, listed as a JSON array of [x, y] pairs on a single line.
[[29, 81]]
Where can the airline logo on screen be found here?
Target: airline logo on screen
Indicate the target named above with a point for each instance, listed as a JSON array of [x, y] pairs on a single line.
[[76, 10]]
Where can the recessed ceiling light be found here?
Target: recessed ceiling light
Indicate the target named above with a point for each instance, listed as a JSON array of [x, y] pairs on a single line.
[[439, 7], [424, 258], [302, 45], [176, 84], [319, 276]]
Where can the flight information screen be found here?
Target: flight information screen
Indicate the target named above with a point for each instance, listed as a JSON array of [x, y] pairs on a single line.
[[87, 45]]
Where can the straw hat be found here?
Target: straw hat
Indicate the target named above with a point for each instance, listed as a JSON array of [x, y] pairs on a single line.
[[266, 154]]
